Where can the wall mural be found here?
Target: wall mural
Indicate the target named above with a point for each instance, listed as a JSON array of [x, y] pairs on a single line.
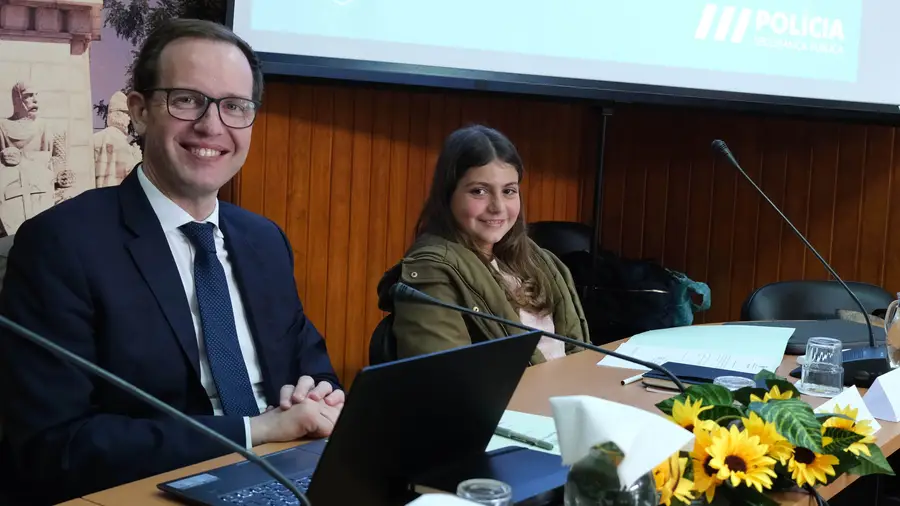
[[33, 160], [64, 72], [115, 152]]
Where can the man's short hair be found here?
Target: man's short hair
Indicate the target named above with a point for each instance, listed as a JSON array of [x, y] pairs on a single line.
[[145, 74]]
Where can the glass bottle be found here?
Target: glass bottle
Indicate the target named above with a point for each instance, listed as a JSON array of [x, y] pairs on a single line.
[[892, 333]]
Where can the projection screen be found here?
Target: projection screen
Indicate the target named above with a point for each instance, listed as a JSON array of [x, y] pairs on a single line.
[[824, 54]]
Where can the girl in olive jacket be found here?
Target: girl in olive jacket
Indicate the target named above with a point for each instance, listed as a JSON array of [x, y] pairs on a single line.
[[472, 250]]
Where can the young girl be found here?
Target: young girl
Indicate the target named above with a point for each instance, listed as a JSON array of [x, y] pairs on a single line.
[[472, 250]]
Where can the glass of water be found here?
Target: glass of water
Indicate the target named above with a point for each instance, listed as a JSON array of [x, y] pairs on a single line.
[[485, 491], [823, 367]]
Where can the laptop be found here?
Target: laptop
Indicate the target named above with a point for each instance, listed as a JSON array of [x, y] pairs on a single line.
[[399, 419]]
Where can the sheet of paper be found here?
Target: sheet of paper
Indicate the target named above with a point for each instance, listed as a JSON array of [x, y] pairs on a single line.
[[850, 397], [536, 426], [744, 348], [646, 438]]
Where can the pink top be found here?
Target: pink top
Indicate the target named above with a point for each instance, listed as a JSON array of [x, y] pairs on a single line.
[[550, 348]]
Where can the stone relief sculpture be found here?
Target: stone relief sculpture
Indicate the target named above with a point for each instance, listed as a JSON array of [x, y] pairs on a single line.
[[114, 155], [28, 187], [33, 165]]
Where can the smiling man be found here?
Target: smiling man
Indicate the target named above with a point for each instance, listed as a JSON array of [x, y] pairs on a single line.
[[189, 298]]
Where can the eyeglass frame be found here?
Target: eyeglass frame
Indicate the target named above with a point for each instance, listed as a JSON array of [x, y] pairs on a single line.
[[209, 101]]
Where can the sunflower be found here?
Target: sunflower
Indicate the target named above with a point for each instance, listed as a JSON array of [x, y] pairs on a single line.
[[807, 466], [740, 457], [705, 480], [670, 480], [775, 393], [780, 448], [688, 415], [861, 427]]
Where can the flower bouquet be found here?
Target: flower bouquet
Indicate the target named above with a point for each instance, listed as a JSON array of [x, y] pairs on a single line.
[[754, 441]]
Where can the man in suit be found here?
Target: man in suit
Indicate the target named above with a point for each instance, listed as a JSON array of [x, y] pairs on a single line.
[[189, 298]]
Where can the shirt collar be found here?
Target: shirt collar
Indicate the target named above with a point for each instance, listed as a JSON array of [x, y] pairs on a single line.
[[170, 215]]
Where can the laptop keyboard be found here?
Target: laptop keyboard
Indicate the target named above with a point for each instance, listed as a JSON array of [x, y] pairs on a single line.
[[267, 494]]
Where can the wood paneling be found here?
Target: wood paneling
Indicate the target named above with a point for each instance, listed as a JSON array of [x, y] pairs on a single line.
[[667, 197], [344, 171]]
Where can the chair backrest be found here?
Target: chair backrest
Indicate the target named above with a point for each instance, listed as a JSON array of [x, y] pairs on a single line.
[[811, 300], [561, 237], [383, 346]]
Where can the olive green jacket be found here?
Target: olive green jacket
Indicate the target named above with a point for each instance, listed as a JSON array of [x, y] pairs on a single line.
[[452, 273]]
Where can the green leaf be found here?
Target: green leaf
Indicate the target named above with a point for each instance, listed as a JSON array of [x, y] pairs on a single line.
[[766, 375], [823, 417], [708, 393], [843, 438], [876, 464], [743, 395], [722, 414], [746, 496], [718, 500], [794, 419], [666, 405]]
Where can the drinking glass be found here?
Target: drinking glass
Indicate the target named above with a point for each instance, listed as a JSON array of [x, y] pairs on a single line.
[[892, 333], [734, 383], [823, 367], [485, 491]]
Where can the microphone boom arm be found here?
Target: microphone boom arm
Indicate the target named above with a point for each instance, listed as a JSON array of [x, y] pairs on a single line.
[[407, 292], [721, 147], [153, 401]]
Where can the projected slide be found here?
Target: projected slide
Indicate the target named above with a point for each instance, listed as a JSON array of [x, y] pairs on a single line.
[[801, 48], [768, 40]]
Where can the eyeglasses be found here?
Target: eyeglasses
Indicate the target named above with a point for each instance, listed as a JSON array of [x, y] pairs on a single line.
[[191, 105]]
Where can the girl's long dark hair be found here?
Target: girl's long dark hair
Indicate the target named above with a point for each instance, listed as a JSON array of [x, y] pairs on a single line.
[[464, 149]]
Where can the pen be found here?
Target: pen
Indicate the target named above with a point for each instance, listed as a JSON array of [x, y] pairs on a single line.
[[522, 438], [628, 381]]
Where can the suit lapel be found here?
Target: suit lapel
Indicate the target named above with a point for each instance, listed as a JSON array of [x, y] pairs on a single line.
[[151, 254]]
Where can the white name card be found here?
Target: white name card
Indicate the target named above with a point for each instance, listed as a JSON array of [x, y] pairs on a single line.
[[440, 500], [850, 398], [883, 398]]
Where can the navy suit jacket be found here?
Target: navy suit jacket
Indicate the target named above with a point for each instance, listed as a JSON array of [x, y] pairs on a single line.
[[96, 275]]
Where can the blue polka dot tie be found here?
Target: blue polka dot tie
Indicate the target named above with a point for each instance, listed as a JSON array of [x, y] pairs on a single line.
[[223, 351]]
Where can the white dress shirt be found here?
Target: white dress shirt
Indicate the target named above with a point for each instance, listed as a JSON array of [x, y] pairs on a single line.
[[171, 216]]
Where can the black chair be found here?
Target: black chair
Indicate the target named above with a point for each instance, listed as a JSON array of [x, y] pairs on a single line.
[[561, 237], [811, 300], [383, 346]]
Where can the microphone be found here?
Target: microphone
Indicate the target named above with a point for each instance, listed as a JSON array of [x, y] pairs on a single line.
[[404, 292], [153, 401], [862, 364]]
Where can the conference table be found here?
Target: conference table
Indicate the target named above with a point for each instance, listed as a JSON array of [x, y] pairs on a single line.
[[576, 374]]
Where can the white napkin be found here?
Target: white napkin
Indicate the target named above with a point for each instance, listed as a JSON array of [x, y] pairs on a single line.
[[440, 500], [646, 438]]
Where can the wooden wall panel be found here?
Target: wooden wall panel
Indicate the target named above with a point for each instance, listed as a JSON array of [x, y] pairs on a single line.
[[344, 170], [667, 197]]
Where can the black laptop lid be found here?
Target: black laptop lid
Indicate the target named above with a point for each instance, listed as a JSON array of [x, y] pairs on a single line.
[[404, 417]]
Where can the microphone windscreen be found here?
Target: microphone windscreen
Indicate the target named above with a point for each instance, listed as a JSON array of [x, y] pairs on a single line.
[[402, 292]]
